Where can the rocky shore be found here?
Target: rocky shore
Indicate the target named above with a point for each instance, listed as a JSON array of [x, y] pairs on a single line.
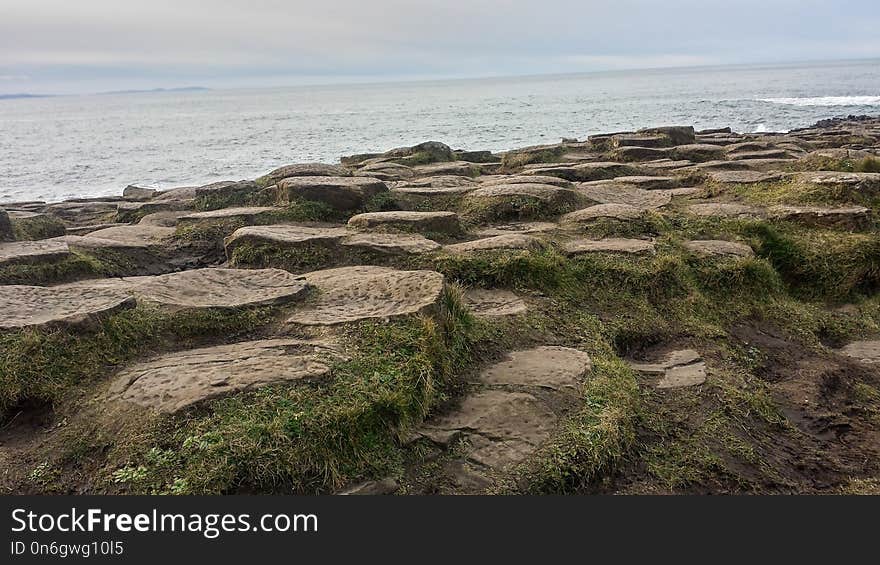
[[659, 311]]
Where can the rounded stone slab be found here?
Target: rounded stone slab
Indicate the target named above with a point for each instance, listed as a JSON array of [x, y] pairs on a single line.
[[386, 171], [431, 222], [340, 193], [556, 368], [307, 170], [173, 382], [650, 183], [350, 294], [246, 213], [525, 179], [725, 210], [856, 181], [506, 241], [33, 252], [609, 245], [433, 190], [284, 236], [133, 236], [610, 192], [718, 248], [602, 211], [37, 306], [516, 227], [676, 369], [452, 168], [864, 351], [220, 288], [544, 192], [391, 244], [502, 427], [851, 217], [744, 177], [440, 181], [491, 303]]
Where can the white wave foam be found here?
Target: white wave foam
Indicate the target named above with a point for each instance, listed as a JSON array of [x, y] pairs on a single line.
[[826, 101]]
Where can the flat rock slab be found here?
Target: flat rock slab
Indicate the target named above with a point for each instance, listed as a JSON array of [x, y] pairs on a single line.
[[850, 218], [307, 170], [556, 368], [440, 181], [725, 210], [544, 192], [718, 248], [650, 183], [516, 227], [611, 192], [498, 242], [428, 222], [868, 182], [677, 369], [524, 179], [36, 306], [602, 212], [350, 294], [176, 381], [491, 303], [457, 168], [433, 191], [744, 177], [864, 351], [339, 193], [33, 252], [390, 244], [609, 245], [134, 236], [246, 213]]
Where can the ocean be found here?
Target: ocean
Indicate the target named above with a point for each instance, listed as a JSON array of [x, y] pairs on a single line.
[[94, 145]]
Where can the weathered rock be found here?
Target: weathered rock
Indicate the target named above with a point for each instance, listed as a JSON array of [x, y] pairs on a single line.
[[677, 369], [744, 177], [498, 242], [350, 294], [132, 192], [609, 245], [176, 381], [455, 168], [775, 154], [82, 213], [638, 140], [247, 214], [718, 248], [390, 244], [697, 152], [438, 182], [600, 212], [611, 192], [650, 183], [725, 210], [340, 193], [863, 184], [864, 351], [134, 236], [33, 252], [426, 222], [516, 227], [490, 303], [556, 368], [372, 488], [304, 170], [523, 179], [38, 307], [284, 236], [849, 218], [5, 227], [168, 219], [86, 230], [639, 153], [519, 200], [677, 135], [386, 171]]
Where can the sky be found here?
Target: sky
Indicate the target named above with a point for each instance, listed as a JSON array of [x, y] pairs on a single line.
[[78, 46]]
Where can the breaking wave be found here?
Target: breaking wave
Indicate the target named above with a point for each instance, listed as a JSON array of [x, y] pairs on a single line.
[[827, 101]]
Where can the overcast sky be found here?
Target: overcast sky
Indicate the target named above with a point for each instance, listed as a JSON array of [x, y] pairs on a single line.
[[62, 46]]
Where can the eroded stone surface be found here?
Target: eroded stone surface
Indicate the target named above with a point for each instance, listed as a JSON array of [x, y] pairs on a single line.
[[33, 252], [681, 368], [602, 211], [725, 210], [550, 367], [307, 170], [744, 177], [5, 227], [390, 243], [175, 381], [340, 193], [490, 303], [609, 245], [865, 351], [506, 241], [718, 248], [427, 222], [37, 306], [610, 192], [516, 227], [349, 294], [245, 213], [133, 236], [849, 217]]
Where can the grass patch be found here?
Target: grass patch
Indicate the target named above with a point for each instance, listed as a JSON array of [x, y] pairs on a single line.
[[39, 227], [76, 266]]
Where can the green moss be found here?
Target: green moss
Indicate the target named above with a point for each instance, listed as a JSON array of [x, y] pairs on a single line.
[[41, 365], [488, 210], [38, 227], [795, 191], [303, 258], [77, 266], [516, 159]]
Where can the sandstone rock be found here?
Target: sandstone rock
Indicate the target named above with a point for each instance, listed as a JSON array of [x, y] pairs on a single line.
[[305, 170], [427, 222], [521, 200], [638, 140], [602, 211], [516, 227], [849, 218], [854, 183], [340, 193], [81, 213], [638, 153], [438, 182], [864, 351], [284, 236], [718, 248], [725, 210], [351, 294], [610, 245], [456, 168], [33, 252], [168, 219], [650, 183], [430, 191], [556, 368], [780, 154], [132, 192], [134, 236], [175, 381], [490, 303], [390, 244], [744, 177], [677, 135], [665, 164], [677, 369], [610, 192], [247, 214], [697, 152], [386, 171], [524, 179], [86, 230], [39, 307], [506, 241]]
